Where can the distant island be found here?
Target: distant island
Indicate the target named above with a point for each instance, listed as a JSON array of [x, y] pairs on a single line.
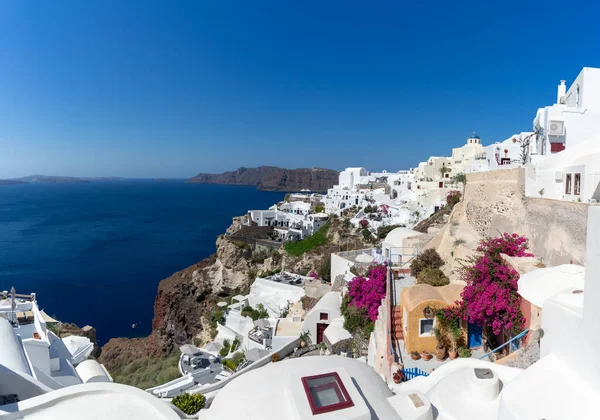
[[55, 179], [272, 178]]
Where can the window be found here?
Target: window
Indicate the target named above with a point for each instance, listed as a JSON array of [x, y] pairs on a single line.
[[568, 184], [326, 393], [323, 316], [426, 326], [577, 186], [577, 96]]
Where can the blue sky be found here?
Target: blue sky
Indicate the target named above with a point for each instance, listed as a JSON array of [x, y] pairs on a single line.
[[170, 89]]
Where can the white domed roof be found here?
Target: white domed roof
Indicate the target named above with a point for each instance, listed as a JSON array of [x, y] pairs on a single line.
[[395, 237]]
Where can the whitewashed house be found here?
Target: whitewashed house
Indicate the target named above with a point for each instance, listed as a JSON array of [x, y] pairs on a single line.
[[574, 118]]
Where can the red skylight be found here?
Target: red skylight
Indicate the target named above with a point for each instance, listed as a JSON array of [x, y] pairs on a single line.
[[326, 393]]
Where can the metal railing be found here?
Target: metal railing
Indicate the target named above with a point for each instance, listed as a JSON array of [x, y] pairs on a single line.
[[516, 337]]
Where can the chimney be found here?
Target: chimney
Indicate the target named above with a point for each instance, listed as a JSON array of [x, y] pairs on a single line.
[[591, 296], [562, 91]]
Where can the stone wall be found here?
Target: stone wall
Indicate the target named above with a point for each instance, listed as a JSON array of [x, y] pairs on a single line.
[[495, 202]]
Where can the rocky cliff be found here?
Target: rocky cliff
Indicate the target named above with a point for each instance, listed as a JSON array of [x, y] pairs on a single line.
[[494, 202], [184, 301], [271, 178]]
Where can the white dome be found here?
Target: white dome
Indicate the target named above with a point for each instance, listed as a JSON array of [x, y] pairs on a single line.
[[394, 238]]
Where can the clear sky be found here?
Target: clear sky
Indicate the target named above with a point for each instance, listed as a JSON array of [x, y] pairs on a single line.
[[173, 88]]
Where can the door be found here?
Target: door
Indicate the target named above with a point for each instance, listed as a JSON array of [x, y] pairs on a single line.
[[474, 335], [320, 330]]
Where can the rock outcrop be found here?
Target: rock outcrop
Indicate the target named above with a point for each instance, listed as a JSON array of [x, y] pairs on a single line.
[[272, 178], [185, 300], [494, 202]]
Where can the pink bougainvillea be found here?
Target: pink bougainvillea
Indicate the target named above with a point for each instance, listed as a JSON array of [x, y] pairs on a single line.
[[313, 274], [384, 209], [363, 224], [366, 293], [490, 296]]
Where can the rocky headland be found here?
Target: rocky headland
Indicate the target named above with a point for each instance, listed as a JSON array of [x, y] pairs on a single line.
[[272, 178], [184, 301]]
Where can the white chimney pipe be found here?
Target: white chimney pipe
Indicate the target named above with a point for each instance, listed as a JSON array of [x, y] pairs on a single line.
[[562, 91]]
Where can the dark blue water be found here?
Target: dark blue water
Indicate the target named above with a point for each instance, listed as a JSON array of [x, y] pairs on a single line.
[[95, 252]]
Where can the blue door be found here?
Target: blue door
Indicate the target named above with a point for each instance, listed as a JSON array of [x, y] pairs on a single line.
[[474, 335]]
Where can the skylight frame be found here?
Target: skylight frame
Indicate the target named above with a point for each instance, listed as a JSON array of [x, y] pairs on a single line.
[[332, 407]]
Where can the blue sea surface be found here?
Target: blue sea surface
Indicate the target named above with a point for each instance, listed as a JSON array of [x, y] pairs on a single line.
[[95, 252]]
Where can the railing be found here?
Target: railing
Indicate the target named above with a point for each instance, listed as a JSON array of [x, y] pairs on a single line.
[[516, 337], [411, 373]]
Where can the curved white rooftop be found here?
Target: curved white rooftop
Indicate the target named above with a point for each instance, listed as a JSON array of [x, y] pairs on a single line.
[[396, 236], [275, 391], [539, 285], [92, 401], [11, 350], [330, 300]]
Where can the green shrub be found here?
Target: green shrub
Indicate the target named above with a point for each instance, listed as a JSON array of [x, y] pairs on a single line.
[[324, 269], [382, 231], [464, 352], [234, 361], [235, 344], [427, 259], [226, 347], [216, 317], [319, 208], [307, 244], [144, 372], [356, 321], [432, 276], [189, 403]]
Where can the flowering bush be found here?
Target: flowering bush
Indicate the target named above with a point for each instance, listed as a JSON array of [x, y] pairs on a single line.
[[490, 296], [453, 198], [384, 209], [366, 293], [313, 274], [363, 224]]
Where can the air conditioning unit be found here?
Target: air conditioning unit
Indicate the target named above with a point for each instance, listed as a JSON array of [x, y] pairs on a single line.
[[556, 128]]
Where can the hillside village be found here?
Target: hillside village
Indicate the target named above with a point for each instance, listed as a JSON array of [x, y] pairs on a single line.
[[462, 287]]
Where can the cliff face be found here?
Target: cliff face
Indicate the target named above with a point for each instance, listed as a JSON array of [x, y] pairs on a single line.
[[494, 202], [272, 178], [184, 301]]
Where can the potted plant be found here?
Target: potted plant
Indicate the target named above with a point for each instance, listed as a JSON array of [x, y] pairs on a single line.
[[454, 335], [398, 376], [440, 349], [415, 355], [464, 352], [304, 339], [426, 355]]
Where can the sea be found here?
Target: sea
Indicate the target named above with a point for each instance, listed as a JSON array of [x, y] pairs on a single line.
[[95, 252]]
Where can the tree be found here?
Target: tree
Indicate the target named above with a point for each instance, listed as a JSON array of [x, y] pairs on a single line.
[[459, 178], [365, 294], [541, 192], [427, 259], [525, 143], [433, 277], [490, 297], [444, 170], [319, 208], [453, 198]]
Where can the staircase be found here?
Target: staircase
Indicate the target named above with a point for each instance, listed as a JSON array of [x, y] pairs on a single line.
[[397, 329]]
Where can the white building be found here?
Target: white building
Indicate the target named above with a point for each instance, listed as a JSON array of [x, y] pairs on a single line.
[[321, 315], [574, 118], [30, 348], [292, 221], [469, 158], [573, 174], [351, 177]]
